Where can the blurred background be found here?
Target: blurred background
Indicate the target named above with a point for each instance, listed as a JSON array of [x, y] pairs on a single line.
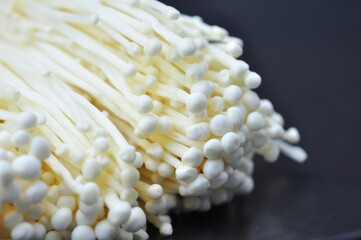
[[309, 56]]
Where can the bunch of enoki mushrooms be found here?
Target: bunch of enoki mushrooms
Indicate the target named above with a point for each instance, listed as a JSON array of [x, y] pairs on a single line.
[[115, 112]]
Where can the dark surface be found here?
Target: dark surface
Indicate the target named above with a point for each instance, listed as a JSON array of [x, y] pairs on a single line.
[[309, 56]]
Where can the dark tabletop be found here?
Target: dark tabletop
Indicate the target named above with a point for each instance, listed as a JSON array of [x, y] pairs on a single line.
[[308, 53]]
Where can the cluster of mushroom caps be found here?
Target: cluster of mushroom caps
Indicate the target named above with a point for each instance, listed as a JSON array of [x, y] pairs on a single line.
[[115, 112]]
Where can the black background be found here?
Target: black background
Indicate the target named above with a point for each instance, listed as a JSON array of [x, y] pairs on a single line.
[[309, 56]]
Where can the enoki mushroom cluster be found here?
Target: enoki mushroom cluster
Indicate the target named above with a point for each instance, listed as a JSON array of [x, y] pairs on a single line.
[[115, 112]]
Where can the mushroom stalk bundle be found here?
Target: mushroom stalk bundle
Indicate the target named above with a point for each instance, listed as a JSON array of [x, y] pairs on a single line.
[[115, 112]]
